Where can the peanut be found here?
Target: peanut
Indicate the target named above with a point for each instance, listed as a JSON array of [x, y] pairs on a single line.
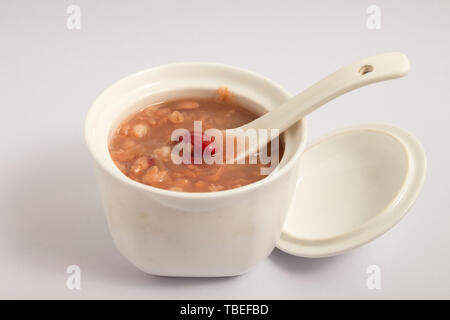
[[140, 130], [140, 165], [176, 117], [187, 105]]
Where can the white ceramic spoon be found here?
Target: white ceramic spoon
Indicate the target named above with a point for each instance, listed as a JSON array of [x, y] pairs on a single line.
[[381, 67]]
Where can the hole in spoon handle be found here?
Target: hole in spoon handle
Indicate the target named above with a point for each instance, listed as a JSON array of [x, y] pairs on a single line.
[[365, 69]]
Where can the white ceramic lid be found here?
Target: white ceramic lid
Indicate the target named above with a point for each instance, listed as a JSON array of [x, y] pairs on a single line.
[[355, 184]]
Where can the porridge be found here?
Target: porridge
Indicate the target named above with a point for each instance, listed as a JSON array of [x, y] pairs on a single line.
[[141, 146]]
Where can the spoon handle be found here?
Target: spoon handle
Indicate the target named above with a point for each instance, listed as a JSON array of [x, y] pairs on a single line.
[[377, 68]]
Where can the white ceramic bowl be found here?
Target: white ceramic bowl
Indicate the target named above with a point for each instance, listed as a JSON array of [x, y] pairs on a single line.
[[192, 234]]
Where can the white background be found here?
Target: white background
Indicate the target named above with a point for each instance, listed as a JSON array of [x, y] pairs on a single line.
[[50, 211]]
